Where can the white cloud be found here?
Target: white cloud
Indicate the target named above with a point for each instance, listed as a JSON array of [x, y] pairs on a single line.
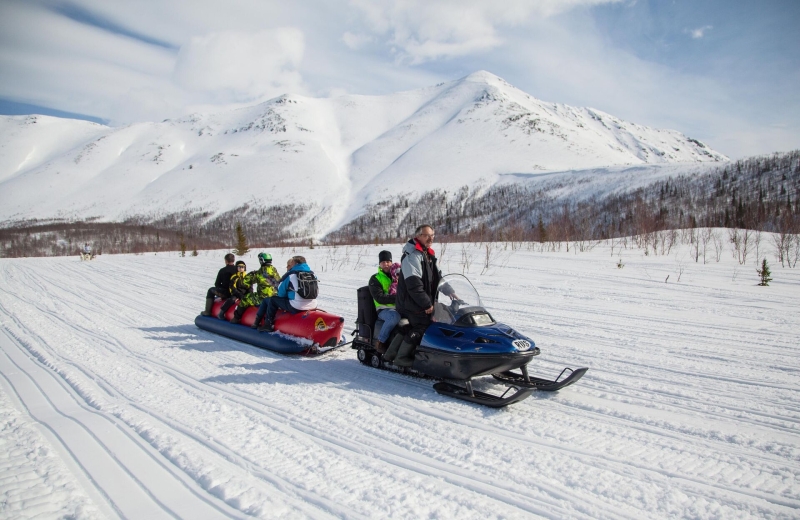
[[699, 32], [575, 65], [356, 41], [242, 66], [425, 30], [71, 66], [222, 55]]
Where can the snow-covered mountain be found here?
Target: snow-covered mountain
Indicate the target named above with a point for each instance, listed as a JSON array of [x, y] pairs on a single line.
[[332, 155]]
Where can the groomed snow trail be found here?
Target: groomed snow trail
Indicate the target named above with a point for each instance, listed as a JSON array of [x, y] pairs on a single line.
[[115, 405]]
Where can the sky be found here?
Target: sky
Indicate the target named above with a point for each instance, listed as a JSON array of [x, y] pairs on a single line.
[[722, 71]]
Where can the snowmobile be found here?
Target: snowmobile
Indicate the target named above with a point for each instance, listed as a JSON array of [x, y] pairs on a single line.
[[463, 342], [306, 332]]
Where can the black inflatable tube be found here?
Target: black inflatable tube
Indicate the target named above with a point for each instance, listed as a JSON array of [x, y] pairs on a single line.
[[266, 340]]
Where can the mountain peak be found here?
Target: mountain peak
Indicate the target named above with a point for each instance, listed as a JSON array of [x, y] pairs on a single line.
[[343, 152], [484, 76]]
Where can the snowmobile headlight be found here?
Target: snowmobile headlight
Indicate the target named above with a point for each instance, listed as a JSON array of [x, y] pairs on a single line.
[[521, 344]]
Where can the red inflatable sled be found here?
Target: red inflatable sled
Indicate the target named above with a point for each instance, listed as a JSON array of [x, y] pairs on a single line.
[[306, 332]]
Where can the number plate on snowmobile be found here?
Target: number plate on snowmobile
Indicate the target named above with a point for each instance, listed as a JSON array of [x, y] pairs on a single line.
[[521, 344]]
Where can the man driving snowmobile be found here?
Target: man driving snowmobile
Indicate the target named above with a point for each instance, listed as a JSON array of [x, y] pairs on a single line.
[[417, 287]]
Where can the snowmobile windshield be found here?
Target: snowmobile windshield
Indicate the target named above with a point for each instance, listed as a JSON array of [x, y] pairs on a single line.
[[459, 303]]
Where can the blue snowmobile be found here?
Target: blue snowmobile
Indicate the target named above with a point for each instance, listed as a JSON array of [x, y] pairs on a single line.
[[463, 342]]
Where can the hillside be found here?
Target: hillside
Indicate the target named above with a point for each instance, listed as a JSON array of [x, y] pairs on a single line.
[[321, 160]]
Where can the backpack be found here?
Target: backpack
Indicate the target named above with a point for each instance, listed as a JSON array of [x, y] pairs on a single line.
[[307, 285]]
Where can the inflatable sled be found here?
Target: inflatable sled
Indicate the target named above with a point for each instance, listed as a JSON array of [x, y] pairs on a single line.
[[463, 342], [307, 332]]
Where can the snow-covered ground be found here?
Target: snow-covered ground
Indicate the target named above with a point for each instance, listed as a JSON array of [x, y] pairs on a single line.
[[114, 404]]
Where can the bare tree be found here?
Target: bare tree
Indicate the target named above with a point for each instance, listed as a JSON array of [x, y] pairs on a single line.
[[716, 240]]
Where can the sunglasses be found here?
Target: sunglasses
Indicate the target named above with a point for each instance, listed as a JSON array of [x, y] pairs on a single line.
[[241, 267]]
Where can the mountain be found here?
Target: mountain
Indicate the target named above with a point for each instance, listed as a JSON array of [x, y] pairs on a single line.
[[325, 158]]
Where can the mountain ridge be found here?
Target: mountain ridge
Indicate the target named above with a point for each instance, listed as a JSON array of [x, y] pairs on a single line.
[[333, 156]]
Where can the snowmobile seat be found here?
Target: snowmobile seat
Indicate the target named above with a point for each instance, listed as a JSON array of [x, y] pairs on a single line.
[[367, 315]]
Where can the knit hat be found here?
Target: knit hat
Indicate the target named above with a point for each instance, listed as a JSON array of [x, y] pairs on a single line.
[[385, 256], [241, 262]]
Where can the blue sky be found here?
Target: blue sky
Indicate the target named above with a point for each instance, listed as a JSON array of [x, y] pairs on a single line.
[[725, 72]]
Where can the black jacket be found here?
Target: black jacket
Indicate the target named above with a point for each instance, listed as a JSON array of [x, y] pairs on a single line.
[[419, 279], [224, 279]]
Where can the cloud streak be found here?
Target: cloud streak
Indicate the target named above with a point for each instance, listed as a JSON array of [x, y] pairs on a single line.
[[699, 32], [156, 59], [422, 30], [236, 66]]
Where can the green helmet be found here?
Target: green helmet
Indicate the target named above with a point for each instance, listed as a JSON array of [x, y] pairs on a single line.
[[264, 258]]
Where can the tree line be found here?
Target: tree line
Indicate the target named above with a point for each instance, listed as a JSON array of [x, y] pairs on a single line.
[[759, 193]]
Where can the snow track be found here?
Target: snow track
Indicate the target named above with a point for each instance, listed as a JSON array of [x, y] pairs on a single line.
[[117, 406], [128, 473]]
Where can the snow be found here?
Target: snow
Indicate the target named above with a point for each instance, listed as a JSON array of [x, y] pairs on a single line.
[[114, 404], [333, 155]]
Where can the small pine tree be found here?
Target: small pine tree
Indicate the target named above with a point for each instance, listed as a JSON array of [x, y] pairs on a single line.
[[194, 252], [542, 230], [183, 245], [242, 247], [764, 273]]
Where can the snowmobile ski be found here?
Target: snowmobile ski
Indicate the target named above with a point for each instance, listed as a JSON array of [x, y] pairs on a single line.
[[536, 383], [466, 393]]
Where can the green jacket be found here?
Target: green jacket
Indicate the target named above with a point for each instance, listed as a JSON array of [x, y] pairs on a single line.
[[266, 278], [379, 284]]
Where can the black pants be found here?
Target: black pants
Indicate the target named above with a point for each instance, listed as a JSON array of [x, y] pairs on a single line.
[[419, 324], [214, 292]]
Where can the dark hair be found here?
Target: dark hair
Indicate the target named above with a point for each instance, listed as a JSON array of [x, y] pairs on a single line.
[[420, 228], [299, 259], [229, 258]]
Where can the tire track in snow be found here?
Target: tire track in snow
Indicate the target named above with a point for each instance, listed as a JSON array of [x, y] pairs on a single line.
[[133, 479], [426, 384], [307, 374], [299, 505]]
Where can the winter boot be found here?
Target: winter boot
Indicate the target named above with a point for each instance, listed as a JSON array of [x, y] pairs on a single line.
[[391, 352], [209, 305], [379, 345], [405, 354], [267, 326], [237, 315], [225, 307], [256, 321]]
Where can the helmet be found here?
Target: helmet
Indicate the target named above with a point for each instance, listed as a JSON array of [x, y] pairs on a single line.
[[241, 262], [264, 258]]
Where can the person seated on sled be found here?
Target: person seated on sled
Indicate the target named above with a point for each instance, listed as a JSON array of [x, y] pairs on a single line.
[[383, 288], [297, 291], [221, 284], [265, 278], [238, 287], [86, 252], [417, 287]]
